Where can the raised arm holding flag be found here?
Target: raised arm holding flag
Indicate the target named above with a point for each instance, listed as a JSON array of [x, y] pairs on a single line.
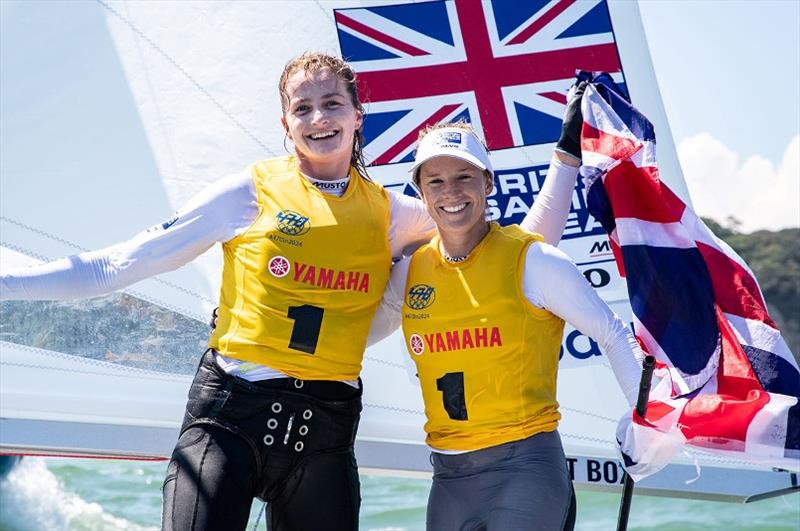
[[728, 382]]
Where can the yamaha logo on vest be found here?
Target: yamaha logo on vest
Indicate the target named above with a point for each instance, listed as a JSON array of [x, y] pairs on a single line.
[[420, 296], [279, 266], [292, 223], [415, 344]]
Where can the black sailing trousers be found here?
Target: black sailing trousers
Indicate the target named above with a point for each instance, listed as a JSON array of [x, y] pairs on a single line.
[[288, 442]]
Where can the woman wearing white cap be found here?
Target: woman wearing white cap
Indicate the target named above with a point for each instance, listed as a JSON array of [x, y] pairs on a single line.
[[483, 310]]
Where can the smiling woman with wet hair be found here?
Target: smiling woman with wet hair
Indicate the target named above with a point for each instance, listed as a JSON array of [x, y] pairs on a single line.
[[331, 67]]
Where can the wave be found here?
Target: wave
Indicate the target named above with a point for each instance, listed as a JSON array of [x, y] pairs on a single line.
[[33, 499]]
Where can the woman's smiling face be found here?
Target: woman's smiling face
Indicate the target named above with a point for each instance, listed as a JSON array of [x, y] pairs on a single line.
[[454, 192], [321, 121]]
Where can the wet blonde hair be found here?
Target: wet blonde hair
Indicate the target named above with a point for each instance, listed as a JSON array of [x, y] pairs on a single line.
[[313, 62], [458, 124]]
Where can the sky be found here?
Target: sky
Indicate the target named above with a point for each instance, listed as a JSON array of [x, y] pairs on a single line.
[[729, 75]]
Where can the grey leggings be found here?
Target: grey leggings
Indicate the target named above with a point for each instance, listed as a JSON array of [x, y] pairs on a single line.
[[518, 486]]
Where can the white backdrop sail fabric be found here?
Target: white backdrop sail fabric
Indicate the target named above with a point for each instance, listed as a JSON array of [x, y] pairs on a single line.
[[115, 113]]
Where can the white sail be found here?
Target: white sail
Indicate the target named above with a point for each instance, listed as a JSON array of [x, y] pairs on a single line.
[[117, 112]]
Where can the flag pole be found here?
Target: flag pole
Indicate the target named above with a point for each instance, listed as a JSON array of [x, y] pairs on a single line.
[[641, 409]]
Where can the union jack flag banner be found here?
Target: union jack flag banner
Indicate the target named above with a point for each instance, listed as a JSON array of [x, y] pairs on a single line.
[[503, 66], [728, 382]]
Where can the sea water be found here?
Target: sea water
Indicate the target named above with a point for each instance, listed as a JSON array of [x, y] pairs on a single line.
[[98, 495]]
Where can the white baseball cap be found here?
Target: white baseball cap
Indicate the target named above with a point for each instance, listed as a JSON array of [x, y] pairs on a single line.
[[452, 142]]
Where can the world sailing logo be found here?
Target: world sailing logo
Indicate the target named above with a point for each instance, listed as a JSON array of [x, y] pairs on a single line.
[[420, 296], [292, 223]]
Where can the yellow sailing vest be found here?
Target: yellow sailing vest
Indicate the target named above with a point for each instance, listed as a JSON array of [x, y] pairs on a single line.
[[486, 357], [300, 286]]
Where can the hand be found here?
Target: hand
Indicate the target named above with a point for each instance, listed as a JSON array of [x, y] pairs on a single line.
[[213, 322], [570, 141]]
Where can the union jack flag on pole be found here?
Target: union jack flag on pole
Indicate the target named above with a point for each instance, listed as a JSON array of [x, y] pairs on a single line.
[[503, 66], [729, 383]]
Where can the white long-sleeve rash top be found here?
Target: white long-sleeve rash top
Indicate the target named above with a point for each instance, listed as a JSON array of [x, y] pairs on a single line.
[[550, 281], [223, 211]]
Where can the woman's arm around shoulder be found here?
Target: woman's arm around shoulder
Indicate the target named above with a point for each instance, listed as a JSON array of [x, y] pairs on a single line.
[[389, 316], [410, 225]]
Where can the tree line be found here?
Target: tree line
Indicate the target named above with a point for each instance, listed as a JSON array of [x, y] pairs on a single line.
[[774, 257]]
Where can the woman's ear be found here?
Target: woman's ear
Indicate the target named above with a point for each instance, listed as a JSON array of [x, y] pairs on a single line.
[[286, 127]]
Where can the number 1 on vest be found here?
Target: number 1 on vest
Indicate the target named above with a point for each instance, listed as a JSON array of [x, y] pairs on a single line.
[[307, 323]]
